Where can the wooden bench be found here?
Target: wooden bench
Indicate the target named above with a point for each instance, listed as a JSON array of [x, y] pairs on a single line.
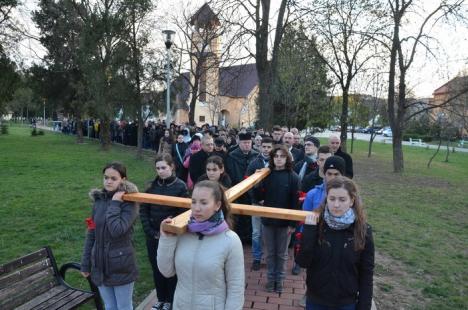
[[34, 282], [418, 142]]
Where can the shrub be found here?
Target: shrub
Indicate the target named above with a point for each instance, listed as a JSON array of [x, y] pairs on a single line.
[[4, 129], [40, 133], [34, 132]]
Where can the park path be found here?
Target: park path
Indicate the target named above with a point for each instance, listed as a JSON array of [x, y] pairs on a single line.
[[256, 297]]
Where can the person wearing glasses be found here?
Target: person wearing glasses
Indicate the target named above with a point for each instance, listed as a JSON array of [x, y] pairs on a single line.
[[278, 190]]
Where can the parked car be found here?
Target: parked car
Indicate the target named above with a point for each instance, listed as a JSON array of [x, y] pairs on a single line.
[[371, 129], [387, 132]]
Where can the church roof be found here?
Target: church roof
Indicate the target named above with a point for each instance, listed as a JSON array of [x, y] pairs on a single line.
[[234, 81], [237, 81], [204, 16]]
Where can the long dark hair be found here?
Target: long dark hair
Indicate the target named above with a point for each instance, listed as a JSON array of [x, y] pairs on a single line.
[[289, 160], [218, 195], [215, 159], [360, 224], [117, 166]]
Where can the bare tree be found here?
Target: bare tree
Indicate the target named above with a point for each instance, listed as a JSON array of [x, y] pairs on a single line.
[[258, 20], [345, 32], [402, 55]]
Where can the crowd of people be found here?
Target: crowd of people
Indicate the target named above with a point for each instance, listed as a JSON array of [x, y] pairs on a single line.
[[204, 268]]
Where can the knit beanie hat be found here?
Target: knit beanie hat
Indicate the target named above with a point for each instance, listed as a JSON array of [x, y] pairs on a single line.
[[312, 139], [335, 162]]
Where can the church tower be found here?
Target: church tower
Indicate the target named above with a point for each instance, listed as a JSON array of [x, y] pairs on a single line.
[[206, 52]]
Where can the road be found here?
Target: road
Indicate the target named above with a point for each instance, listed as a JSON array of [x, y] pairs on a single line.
[[382, 139]]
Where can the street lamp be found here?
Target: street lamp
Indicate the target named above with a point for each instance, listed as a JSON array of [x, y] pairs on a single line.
[[168, 40]]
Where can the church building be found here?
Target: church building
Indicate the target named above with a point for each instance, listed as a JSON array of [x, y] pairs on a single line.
[[226, 95]]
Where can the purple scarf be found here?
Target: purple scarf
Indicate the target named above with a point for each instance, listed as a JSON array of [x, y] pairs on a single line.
[[214, 225]]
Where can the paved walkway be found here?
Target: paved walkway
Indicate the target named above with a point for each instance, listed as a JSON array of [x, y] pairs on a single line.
[[256, 297]]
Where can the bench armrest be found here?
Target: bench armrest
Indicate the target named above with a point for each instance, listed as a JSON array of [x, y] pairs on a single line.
[[63, 270]]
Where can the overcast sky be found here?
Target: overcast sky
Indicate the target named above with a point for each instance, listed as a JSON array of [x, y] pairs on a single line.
[[426, 75]]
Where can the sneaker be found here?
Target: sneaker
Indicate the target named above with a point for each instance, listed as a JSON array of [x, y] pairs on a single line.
[[270, 286], [303, 300], [279, 287], [256, 265], [166, 306], [158, 306], [296, 269]]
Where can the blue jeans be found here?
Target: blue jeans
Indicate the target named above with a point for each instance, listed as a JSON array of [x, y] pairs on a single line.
[[117, 297], [257, 237], [312, 306]]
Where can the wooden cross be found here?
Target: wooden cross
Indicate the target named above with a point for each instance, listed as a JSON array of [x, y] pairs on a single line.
[[179, 223]]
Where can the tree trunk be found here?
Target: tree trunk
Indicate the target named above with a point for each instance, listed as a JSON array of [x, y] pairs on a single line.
[[437, 151], [141, 125], [352, 138], [194, 97], [79, 129], [344, 119], [105, 134], [265, 112], [371, 140], [397, 150], [448, 151]]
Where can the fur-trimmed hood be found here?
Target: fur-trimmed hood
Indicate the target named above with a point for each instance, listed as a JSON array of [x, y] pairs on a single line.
[[125, 186]]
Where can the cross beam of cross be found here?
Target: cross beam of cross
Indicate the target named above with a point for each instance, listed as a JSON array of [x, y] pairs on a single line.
[[179, 223]]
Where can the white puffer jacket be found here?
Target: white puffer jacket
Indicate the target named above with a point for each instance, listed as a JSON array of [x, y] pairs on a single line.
[[210, 270]]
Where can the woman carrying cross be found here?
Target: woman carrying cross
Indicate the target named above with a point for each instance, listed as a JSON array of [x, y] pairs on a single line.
[[208, 259]]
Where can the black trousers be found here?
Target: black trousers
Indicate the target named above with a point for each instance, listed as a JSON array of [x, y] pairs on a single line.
[[165, 287]]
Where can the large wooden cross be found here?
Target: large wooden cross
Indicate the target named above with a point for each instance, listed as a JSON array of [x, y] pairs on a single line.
[[179, 223]]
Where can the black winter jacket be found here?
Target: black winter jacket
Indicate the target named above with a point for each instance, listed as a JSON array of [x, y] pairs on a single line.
[[349, 162], [197, 164], [108, 252], [237, 163], [311, 165], [280, 189], [151, 215], [337, 275], [178, 153], [259, 162], [311, 180]]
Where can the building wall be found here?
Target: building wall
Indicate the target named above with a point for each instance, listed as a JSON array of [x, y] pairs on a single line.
[[457, 120], [240, 111]]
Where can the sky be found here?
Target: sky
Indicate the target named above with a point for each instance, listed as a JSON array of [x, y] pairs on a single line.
[[427, 73]]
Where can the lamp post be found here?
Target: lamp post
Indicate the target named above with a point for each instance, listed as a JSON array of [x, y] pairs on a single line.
[[168, 40]]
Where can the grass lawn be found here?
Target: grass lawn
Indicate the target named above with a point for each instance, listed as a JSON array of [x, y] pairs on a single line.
[[419, 218], [420, 221], [45, 182]]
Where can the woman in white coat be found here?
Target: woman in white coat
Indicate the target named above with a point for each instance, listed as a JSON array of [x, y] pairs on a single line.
[[208, 259]]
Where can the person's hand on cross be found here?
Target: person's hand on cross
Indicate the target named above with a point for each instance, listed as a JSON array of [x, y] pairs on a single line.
[[162, 231], [312, 218]]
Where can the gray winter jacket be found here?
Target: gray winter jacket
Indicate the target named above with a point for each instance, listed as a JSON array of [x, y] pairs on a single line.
[[108, 251]]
